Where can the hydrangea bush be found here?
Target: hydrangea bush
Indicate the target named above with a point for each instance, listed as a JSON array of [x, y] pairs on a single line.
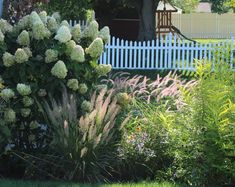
[[40, 54]]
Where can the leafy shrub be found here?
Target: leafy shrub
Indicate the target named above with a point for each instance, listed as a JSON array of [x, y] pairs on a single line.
[[192, 144], [39, 54], [84, 148], [204, 152]]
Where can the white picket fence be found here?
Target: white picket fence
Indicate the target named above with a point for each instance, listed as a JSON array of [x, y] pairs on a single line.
[[164, 53], [83, 23]]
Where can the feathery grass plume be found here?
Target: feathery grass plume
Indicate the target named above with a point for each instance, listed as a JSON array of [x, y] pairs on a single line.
[[141, 87], [88, 141]]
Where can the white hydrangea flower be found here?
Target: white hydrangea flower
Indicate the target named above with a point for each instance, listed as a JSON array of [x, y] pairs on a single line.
[[91, 31], [56, 15], [21, 56], [63, 34], [123, 98], [104, 34], [5, 26], [8, 59], [9, 115], [24, 22], [40, 31], [103, 69], [28, 51], [59, 70], [82, 88], [23, 89], [78, 54], [76, 32], [65, 23], [73, 84], [7, 94], [43, 16], [86, 106], [51, 55], [69, 47], [96, 48], [52, 24], [23, 39], [27, 101], [25, 112], [2, 37], [35, 18]]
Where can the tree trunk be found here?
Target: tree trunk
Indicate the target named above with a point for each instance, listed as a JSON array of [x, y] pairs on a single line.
[[147, 15]]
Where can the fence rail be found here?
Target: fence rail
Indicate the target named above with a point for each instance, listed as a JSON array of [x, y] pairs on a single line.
[[164, 53]]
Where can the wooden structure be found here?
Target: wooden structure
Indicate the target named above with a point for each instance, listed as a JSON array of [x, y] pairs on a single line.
[[164, 17]]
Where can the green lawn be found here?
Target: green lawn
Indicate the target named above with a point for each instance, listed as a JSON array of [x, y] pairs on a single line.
[[210, 40], [12, 183]]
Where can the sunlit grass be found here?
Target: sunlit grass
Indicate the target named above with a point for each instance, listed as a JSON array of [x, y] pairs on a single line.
[[13, 183]]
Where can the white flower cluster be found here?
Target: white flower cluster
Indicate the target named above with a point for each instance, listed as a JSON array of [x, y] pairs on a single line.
[[59, 70], [23, 89], [6, 94], [51, 55], [63, 34], [104, 34], [5, 26], [27, 101], [23, 39], [39, 30], [78, 54], [82, 88], [73, 84], [52, 24], [96, 48], [8, 59], [2, 37], [86, 106], [91, 31], [76, 32], [21, 56], [103, 69], [9, 115]]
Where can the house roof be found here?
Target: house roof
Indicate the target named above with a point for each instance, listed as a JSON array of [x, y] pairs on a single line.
[[168, 7], [204, 7]]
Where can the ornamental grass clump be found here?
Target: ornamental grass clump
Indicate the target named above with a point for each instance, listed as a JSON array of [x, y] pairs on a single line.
[[82, 148]]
